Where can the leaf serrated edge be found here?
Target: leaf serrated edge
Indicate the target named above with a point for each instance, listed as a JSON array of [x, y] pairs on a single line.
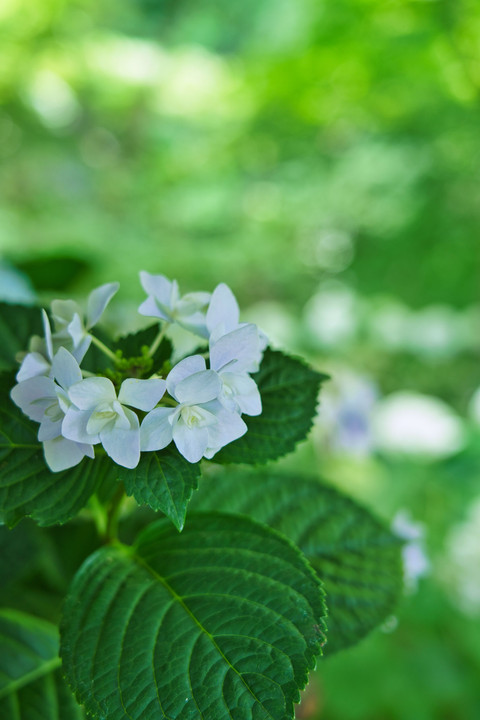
[[312, 650]]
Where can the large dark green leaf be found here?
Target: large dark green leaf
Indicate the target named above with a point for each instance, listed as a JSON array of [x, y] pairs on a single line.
[[17, 324], [163, 480], [27, 486], [358, 559], [289, 390], [221, 621], [31, 684]]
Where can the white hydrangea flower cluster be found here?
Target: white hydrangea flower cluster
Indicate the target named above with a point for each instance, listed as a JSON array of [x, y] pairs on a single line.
[[197, 407]]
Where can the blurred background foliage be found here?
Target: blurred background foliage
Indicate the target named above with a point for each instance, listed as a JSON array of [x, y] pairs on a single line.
[[322, 158]]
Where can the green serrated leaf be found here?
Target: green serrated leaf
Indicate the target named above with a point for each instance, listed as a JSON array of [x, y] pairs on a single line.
[[222, 621], [358, 559], [17, 324], [289, 390], [163, 480], [27, 486], [31, 684]]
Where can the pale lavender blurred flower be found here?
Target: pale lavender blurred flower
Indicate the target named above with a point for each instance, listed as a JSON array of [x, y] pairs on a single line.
[[415, 561]]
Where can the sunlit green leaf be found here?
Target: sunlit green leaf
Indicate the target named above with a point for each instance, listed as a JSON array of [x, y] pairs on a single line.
[[223, 620], [165, 481], [358, 559], [289, 390]]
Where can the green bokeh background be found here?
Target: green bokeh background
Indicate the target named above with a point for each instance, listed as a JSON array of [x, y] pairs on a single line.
[[323, 159]]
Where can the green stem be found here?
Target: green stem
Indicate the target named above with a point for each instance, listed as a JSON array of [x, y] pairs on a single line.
[[156, 343], [99, 515], [111, 532], [104, 348]]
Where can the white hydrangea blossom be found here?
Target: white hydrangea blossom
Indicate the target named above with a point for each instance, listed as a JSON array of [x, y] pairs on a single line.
[[165, 302], [201, 412], [45, 400], [96, 415], [199, 425], [39, 360], [223, 318], [71, 332], [231, 357]]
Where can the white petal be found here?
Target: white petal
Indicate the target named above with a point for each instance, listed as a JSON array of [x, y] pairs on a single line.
[[80, 350], [159, 286], [240, 348], [61, 454], [101, 416], [90, 392], [63, 399], [250, 404], [98, 301], [65, 368], [195, 323], [74, 426], [223, 309], [33, 364], [192, 303], [142, 394], [123, 446], [199, 388], [262, 340], [50, 429], [190, 442], [34, 396], [48, 335], [150, 308], [229, 427], [76, 330], [123, 414], [186, 367], [156, 430], [63, 312], [194, 416], [244, 391]]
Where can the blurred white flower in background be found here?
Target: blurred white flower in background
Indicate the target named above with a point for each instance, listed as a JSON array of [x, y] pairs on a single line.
[[52, 98], [331, 249], [460, 567], [414, 424], [346, 412], [436, 331], [415, 561], [431, 333], [332, 315]]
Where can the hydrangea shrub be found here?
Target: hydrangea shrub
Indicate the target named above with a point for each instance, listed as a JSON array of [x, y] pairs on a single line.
[[215, 614]]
